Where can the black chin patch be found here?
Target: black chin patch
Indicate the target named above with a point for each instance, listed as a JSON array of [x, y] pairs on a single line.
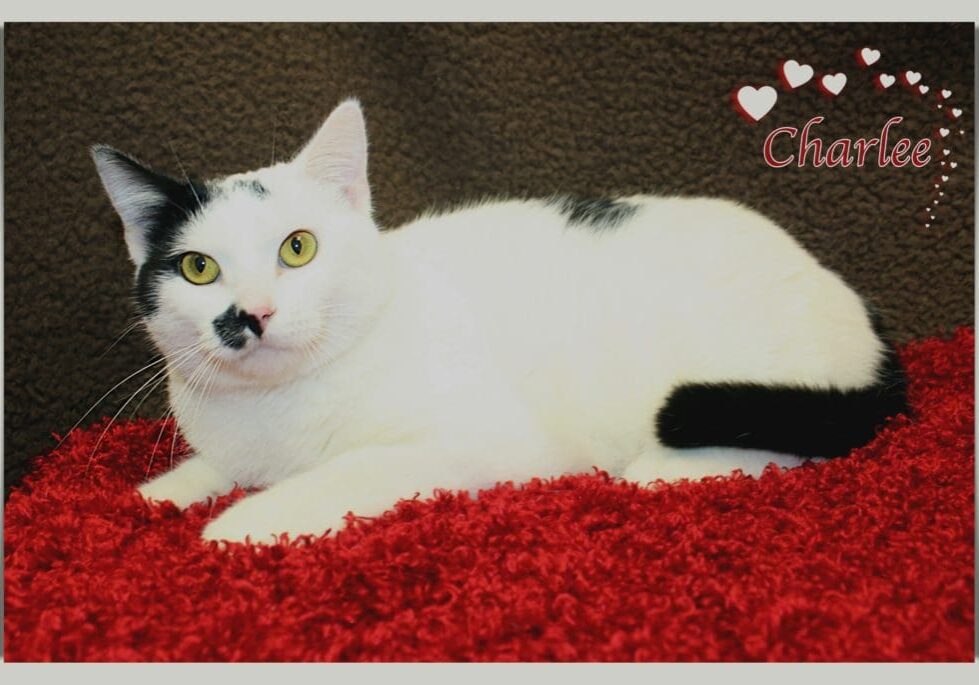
[[230, 327]]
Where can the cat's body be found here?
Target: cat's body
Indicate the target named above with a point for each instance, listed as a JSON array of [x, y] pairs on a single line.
[[498, 342]]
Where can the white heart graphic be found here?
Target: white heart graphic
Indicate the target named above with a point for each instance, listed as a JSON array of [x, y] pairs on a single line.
[[944, 178], [923, 89], [941, 194], [885, 80], [869, 56], [943, 132], [796, 74], [953, 164], [946, 152], [912, 77], [834, 83], [946, 94], [927, 225], [757, 102], [956, 112]]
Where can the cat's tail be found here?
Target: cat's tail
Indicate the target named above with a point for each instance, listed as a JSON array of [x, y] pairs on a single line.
[[800, 420]]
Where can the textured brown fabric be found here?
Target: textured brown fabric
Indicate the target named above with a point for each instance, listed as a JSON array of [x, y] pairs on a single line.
[[454, 112]]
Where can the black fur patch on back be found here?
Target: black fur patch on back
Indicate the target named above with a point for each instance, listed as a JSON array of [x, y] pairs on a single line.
[[597, 213], [809, 422]]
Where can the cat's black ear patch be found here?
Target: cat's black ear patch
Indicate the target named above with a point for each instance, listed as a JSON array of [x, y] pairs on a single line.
[[153, 208], [147, 200], [598, 214]]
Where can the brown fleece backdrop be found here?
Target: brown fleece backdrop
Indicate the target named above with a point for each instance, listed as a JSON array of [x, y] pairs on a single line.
[[455, 112]]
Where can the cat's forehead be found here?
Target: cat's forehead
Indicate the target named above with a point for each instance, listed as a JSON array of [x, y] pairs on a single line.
[[256, 184], [248, 193], [248, 207]]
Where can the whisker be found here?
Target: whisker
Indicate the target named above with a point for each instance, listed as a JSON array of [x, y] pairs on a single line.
[[129, 329], [273, 136], [192, 382], [186, 177], [209, 366], [157, 374], [146, 395], [156, 444], [153, 363]]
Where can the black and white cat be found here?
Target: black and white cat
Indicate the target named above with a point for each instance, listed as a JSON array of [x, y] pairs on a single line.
[[342, 368]]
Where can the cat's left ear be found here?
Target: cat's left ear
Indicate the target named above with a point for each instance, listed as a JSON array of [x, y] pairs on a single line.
[[337, 154], [145, 200]]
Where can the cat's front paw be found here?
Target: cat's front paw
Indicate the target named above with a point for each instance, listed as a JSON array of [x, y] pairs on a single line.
[[192, 481], [264, 516]]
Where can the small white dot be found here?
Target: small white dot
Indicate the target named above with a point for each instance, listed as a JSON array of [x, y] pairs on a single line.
[[943, 163], [936, 202], [927, 225], [939, 106]]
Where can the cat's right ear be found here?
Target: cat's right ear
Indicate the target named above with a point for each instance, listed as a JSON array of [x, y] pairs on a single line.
[[138, 194]]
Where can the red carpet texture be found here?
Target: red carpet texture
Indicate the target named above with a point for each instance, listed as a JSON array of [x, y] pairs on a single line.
[[864, 558]]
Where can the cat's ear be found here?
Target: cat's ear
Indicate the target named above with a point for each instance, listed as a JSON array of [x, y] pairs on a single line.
[[337, 154], [141, 196]]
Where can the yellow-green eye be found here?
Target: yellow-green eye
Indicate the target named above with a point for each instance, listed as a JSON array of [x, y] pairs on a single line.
[[198, 268], [298, 249]]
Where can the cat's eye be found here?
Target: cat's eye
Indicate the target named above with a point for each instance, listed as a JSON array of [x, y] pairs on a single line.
[[298, 249], [198, 268]]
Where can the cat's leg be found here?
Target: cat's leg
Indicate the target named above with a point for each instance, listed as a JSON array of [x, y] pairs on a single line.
[[368, 482], [670, 464], [193, 480]]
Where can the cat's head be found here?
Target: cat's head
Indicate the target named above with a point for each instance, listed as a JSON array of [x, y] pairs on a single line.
[[262, 273]]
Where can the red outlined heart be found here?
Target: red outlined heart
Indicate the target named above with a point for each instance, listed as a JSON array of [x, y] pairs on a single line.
[[832, 84], [867, 56], [754, 103], [792, 74]]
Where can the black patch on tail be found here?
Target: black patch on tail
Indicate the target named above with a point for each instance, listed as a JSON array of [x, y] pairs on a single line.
[[597, 213], [808, 422]]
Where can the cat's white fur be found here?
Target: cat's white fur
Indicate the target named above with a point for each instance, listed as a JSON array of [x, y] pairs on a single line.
[[487, 344]]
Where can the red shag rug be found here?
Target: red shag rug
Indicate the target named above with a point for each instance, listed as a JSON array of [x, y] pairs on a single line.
[[864, 558]]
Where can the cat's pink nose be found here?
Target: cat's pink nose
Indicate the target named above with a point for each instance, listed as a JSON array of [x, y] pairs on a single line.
[[261, 315]]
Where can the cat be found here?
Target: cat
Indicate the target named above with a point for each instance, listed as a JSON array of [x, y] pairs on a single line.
[[342, 368]]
